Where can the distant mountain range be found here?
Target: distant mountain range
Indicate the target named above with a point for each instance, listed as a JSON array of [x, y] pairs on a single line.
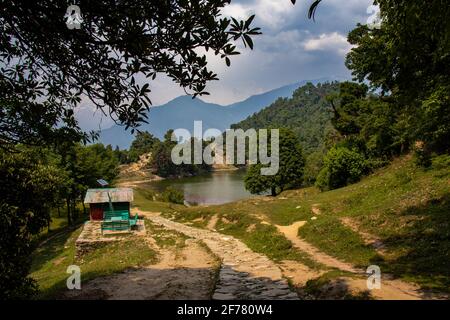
[[181, 112]]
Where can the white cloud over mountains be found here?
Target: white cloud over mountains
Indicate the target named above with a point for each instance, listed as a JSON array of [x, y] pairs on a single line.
[[291, 48], [332, 42]]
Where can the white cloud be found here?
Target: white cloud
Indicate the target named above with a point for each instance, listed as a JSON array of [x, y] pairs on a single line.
[[328, 42], [291, 48], [274, 14], [235, 10]]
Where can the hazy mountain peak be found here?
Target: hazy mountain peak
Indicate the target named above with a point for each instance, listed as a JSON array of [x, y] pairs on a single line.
[[182, 111]]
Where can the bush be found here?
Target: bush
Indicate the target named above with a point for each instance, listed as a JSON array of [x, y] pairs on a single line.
[[173, 196], [422, 156], [313, 165], [341, 167], [435, 119]]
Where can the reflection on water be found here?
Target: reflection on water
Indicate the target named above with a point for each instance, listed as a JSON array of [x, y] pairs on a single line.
[[213, 188]]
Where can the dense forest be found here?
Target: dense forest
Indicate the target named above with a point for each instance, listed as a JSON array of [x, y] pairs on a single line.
[[308, 114]]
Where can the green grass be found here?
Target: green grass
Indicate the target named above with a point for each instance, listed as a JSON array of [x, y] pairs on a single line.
[[143, 200], [262, 238], [332, 237], [405, 206], [315, 287], [50, 261], [165, 238]]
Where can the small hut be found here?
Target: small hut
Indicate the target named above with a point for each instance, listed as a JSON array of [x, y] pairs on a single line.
[[109, 199]]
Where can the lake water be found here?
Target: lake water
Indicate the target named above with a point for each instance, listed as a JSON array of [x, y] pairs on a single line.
[[213, 188]]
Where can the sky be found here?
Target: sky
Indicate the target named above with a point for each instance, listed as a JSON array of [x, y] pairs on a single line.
[[292, 48]]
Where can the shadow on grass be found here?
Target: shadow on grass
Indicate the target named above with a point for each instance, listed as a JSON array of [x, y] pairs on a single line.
[[324, 288], [424, 243], [52, 246]]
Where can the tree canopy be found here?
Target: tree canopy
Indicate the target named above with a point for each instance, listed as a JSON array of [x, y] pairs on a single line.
[[47, 68], [408, 59], [290, 173], [144, 142]]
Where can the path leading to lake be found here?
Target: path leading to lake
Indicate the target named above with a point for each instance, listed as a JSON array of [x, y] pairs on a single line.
[[244, 274]]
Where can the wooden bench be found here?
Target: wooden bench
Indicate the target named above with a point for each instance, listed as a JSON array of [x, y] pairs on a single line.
[[124, 214], [118, 220]]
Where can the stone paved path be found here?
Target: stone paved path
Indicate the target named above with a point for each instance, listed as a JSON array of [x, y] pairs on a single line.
[[244, 274]]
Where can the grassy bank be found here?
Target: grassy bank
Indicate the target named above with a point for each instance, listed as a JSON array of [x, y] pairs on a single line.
[[405, 207]]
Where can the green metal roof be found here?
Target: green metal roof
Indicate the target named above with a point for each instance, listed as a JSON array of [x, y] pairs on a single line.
[[105, 195]]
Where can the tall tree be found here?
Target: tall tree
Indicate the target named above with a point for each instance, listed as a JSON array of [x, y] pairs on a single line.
[[291, 166], [29, 188], [143, 143], [408, 59]]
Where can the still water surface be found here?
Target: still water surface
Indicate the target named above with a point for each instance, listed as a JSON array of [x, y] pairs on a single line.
[[212, 188]]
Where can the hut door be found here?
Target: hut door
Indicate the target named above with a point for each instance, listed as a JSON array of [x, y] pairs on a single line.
[[96, 212]]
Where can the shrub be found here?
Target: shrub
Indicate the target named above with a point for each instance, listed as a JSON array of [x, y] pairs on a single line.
[[422, 156], [173, 195], [341, 167], [435, 118]]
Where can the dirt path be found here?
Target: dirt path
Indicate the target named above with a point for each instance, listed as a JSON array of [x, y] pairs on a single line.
[[188, 274], [291, 231], [244, 274], [391, 289], [212, 223], [369, 239]]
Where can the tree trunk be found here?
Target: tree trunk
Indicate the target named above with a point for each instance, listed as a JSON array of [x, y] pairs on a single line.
[[69, 219], [74, 210], [59, 212], [84, 208], [274, 191]]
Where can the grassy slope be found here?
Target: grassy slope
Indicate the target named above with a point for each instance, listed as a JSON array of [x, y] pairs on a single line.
[[406, 207], [50, 261]]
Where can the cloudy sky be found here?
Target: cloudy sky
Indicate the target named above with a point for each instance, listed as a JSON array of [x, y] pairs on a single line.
[[291, 48]]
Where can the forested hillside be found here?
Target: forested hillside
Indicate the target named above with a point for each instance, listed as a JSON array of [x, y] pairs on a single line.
[[307, 113]]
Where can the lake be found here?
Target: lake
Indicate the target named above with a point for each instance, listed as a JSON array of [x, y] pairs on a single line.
[[213, 188]]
